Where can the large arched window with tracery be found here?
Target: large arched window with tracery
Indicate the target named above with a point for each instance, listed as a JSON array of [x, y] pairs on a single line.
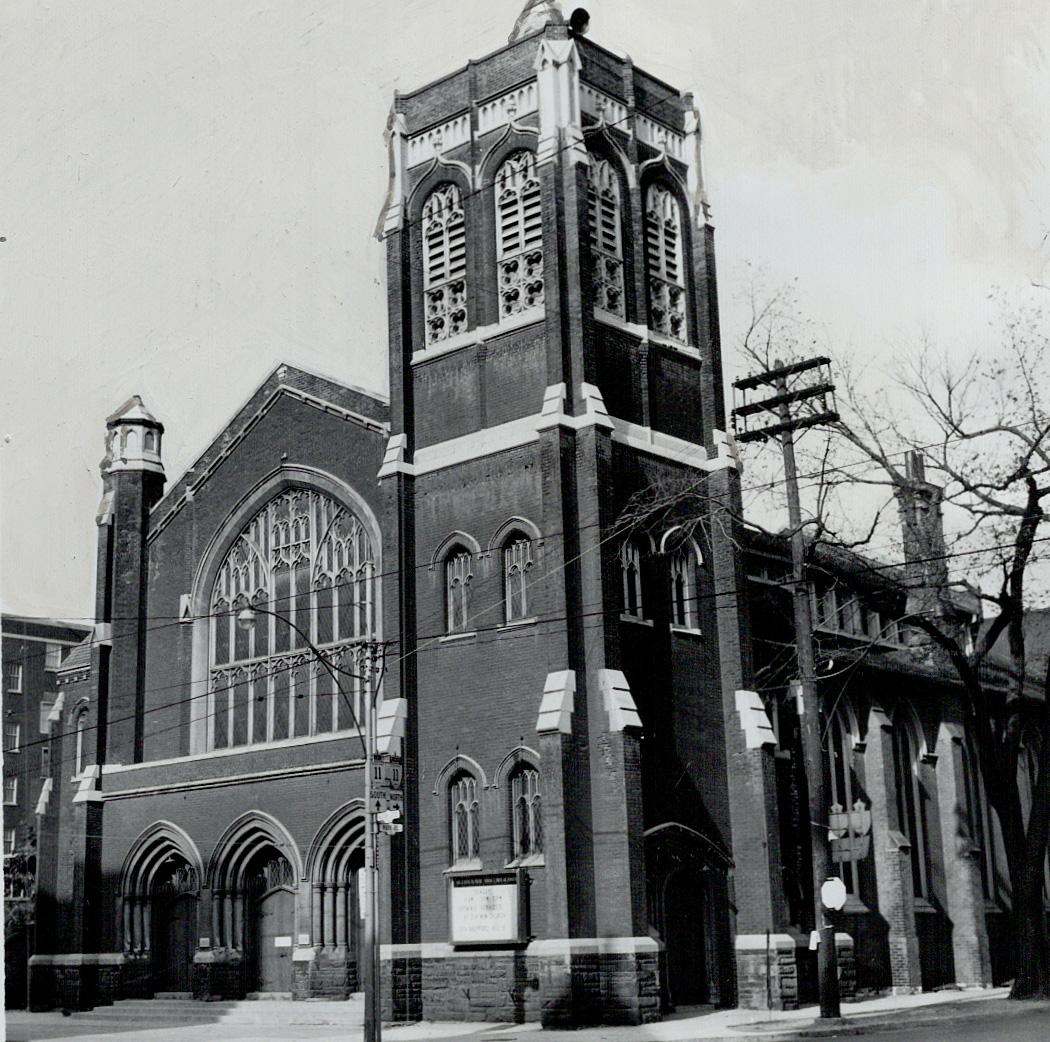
[[603, 207], [911, 798], [308, 560], [444, 264], [519, 235], [664, 262]]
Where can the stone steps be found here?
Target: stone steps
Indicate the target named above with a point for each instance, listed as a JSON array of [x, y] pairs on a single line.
[[179, 1011]]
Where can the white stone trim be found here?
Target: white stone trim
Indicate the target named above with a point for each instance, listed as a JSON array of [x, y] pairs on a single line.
[[618, 700], [496, 113], [556, 705], [79, 959], [554, 946], [760, 942], [604, 107], [660, 136], [232, 779], [480, 334], [667, 446], [429, 143]]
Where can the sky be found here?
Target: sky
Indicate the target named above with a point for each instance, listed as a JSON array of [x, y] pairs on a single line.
[[189, 194]]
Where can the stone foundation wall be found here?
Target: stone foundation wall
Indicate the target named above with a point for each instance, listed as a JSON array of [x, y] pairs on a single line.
[[218, 975], [560, 990], [74, 982], [767, 974], [324, 977]]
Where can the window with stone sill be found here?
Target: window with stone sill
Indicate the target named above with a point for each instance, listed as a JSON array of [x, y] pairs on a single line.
[[10, 790], [519, 235], [663, 251], [603, 205], [517, 562], [12, 737], [464, 820], [310, 561], [458, 574], [444, 264], [10, 839], [526, 806]]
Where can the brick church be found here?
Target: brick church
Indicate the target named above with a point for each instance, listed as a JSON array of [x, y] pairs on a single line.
[[578, 734]]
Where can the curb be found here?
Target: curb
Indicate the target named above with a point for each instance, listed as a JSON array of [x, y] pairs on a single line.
[[848, 1028]]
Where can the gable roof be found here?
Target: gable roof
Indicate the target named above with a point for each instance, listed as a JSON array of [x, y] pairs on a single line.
[[365, 408]]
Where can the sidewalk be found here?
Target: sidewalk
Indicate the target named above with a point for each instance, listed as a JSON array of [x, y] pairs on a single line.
[[341, 1022]]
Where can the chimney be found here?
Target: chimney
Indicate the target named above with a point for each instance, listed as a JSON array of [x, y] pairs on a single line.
[[922, 532]]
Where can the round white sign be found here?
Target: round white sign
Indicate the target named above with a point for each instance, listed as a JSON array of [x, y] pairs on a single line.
[[833, 894]]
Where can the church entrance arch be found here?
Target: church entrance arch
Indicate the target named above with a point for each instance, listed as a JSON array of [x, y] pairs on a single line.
[[270, 923], [686, 884], [160, 887], [254, 877]]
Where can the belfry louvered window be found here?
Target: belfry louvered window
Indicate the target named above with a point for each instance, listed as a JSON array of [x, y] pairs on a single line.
[[519, 235], [464, 819], [603, 205], [444, 264], [310, 562], [663, 252]]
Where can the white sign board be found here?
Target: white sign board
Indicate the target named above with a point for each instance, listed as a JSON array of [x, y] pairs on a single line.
[[485, 909]]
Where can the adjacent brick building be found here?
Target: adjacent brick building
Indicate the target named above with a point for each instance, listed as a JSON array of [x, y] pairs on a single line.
[[580, 730]]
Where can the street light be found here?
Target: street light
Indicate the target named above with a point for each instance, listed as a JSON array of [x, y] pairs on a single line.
[[246, 618]]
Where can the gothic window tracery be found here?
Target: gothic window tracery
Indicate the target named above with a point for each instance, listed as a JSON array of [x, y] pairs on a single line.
[[517, 562], [519, 235], [911, 808], [464, 819], [663, 251], [309, 560], [444, 264], [526, 812], [631, 575], [683, 588], [603, 204], [458, 573]]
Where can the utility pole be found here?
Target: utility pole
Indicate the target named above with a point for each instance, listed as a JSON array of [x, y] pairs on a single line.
[[794, 384]]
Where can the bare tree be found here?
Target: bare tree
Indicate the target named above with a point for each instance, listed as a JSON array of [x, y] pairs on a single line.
[[979, 427]]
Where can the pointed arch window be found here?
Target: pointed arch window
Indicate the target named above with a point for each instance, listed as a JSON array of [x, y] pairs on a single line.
[[310, 561], [911, 806], [519, 235], [631, 575], [684, 612], [444, 264], [464, 819], [603, 206], [79, 726], [458, 572], [517, 562], [978, 818], [526, 805], [663, 253]]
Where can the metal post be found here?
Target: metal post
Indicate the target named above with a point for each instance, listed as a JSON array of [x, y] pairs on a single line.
[[809, 718], [373, 1008]]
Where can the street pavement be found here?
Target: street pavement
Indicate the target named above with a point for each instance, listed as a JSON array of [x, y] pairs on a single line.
[[975, 1016]]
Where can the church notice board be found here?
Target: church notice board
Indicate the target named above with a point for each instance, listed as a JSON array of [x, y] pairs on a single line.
[[488, 908]]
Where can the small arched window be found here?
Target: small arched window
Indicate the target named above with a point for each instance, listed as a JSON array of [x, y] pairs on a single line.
[[683, 589], [911, 797], [458, 573], [603, 205], [444, 264], [79, 726], [526, 808], [663, 252], [517, 562], [519, 235], [631, 575], [464, 819]]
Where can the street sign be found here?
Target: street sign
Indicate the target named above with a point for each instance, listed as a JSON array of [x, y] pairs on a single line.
[[385, 816], [850, 848], [387, 775], [385, 800], [390, 828]]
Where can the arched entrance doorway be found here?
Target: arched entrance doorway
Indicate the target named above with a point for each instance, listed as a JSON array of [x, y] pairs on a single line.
[[174, 921], [160, 886], [688, 910], [269, 907], [688, 932]]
